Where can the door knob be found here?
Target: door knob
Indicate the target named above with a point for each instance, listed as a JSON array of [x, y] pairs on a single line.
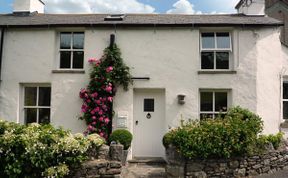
[[136, 122]]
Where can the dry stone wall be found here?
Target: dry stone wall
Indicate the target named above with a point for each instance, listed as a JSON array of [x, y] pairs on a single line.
[[105, 162], [235, 167]]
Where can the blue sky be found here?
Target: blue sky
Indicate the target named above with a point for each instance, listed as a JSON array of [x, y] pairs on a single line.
[[132, 6]]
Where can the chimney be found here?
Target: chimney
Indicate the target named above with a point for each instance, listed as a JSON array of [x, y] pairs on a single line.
[[251, 7], [28, 6]]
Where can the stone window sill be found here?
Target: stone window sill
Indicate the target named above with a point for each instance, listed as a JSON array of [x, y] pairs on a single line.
[[60, 71], [284, 125], [217, 72]]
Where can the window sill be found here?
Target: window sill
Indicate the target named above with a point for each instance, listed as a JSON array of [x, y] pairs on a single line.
[[284, 125], [70, 71], [217, 72]]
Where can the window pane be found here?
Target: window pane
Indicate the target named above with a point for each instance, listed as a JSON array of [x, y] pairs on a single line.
[[220, 116], [148, 105], [65, 59], [30, 96], [285, 90], [44, 96], [221, 101], [285, 110], [208, 40], [78, 58], [65, 41], [78, 41], [223, 40], [44, 116], [207, 60], [30, 115], [222, 60], [206, 101]]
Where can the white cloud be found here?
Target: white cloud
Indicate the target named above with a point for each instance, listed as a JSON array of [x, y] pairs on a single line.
[[97, 6], [183, 7]]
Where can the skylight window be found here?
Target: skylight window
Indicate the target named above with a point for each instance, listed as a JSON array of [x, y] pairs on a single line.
[[114, 17]]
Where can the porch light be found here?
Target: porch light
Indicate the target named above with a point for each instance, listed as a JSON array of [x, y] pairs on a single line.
[[181, 99]]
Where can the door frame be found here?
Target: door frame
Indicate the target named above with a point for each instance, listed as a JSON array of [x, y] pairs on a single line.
[[143, 90]]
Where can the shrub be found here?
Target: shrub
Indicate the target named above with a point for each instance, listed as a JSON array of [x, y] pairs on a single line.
[[121, 136], [217, 138], [275, 140], [40, 150], [168, 139]]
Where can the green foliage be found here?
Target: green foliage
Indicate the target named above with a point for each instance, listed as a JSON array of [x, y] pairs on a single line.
[[218, 138], [121, 136], [40, 150], [274, 139], [168, 138]]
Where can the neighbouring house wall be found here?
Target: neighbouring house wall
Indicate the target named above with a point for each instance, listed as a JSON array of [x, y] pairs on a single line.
[[278, 9], [169, 56], [254, 7]]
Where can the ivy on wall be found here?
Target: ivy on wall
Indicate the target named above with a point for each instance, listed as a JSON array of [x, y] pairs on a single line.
[[108, 73]]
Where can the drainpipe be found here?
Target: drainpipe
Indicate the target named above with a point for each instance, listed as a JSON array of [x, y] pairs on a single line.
[[1, 51]]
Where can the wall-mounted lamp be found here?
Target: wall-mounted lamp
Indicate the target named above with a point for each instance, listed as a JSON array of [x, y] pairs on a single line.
[[181, 98]]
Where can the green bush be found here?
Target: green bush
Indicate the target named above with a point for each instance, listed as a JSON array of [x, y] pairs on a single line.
[[217, 138], [168, 139], [40, 150], [121, 136], [275, 140]]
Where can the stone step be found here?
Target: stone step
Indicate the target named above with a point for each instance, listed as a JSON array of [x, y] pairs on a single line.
[[147, 161], [145, 168]]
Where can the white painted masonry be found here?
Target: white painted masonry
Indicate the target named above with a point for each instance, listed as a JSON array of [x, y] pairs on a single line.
[[169, 56], [28, 6]]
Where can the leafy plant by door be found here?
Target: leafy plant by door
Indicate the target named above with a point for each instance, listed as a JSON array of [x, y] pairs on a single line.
[[108, 73]]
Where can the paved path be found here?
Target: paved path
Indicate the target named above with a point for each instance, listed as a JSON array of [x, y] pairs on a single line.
[[143, 171], [278, 174]]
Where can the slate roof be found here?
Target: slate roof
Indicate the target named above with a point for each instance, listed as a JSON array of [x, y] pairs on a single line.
[[55, 20]]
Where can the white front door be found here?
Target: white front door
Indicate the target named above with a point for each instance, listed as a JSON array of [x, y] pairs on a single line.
[[149, 122]]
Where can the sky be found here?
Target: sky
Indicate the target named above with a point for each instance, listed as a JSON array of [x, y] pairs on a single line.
[[132, 6]]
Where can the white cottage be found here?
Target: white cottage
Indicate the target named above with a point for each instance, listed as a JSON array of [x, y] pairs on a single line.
[[184, 67]]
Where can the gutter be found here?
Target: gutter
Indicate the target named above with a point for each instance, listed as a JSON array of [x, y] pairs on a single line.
[[146, 25], [1, 51]]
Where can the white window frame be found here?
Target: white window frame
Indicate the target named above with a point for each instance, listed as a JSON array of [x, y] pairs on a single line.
[[23, 107], [215, 49], [213, 113], [71, 50]]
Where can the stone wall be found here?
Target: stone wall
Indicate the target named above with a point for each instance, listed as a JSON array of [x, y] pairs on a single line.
[[104, 162], [235, 167]]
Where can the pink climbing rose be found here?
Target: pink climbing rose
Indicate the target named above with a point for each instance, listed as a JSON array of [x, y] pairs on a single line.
[[109, 69], [110, 98]]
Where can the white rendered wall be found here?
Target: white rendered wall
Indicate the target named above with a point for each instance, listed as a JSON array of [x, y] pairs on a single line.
[[169, 56]]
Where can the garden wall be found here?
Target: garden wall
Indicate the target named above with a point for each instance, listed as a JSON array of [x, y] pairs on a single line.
[[234, 167], [105, 162]]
